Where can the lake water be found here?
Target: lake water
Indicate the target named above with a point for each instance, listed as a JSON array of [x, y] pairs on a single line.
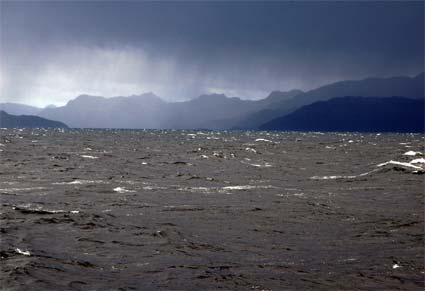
[[180, 210]]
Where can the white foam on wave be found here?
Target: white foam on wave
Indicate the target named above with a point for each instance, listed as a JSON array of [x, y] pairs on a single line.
[[336, 177], [39, 209], [21, 252], [123, 190], [263, 139], [247, 187], [412, 153], [402, 164], [197, 189], [251, 150], [80, 182], [89, 157], [410, 165], [9, 182], [418, 161], [154, 188], [264, 165], [224, 189], [332, 177], [21, 189]]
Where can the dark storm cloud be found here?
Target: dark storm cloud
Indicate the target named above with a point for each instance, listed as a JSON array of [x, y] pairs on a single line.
[[52, 50]]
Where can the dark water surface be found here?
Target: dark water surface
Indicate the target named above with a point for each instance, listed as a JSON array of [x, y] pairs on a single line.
[[181, 210]]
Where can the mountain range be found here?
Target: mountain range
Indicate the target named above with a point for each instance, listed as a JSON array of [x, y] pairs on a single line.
[[19, 109], [376, 87], [215, 111]]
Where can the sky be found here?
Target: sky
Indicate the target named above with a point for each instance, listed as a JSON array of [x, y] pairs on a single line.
[[51, 52]]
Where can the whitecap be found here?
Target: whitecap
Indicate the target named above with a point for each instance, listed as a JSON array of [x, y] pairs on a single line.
[[263, 139], [154, 188], [418, 161], [21, 252], [265, 165], [89, 157], [412, 153], [407, 165], [247, 187], [80, 182], [251, 150], [21, 189], [332, 177], [38, 209], [123, 190], [336, 177]]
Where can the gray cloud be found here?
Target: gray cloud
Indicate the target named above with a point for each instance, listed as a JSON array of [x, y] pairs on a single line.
[[54, 51]]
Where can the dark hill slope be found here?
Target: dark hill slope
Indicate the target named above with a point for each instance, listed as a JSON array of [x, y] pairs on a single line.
[[27, 121], [371, 114]]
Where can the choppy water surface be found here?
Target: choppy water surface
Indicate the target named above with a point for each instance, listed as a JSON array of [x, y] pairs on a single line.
[[183, 210]]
